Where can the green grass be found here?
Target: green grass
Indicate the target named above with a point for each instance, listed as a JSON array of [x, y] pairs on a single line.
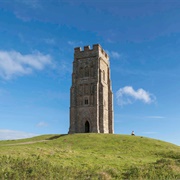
[[89, 156]]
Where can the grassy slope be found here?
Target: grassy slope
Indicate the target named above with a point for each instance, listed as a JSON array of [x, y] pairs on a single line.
[[89, 156]]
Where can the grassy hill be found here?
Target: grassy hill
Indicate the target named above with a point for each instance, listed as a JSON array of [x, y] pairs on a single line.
[[89, 156]]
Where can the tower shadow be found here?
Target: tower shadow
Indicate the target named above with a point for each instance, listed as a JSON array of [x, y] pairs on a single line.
[[56, 136]]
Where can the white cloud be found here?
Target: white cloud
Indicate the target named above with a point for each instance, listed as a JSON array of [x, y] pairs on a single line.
[[127, 95], [114, 54], [6, 134], [42, 124], [13, 63]]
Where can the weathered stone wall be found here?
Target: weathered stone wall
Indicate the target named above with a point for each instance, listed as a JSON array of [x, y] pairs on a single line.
[[91, 95]]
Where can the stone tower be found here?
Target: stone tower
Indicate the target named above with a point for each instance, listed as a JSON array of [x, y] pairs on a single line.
[[91, 104]]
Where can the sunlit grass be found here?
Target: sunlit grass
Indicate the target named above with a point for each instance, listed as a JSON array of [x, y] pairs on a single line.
[[89, 156]]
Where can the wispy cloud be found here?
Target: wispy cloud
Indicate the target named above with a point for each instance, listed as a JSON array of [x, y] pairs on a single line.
[[71, 42], [155, 117], [2, 92], [30, 3], [127, 95], [51, 95], [6, 134], [75, 43], [114, 54], [42, 124], [50, 41], [63, 68], [149, 132], [13, 63]]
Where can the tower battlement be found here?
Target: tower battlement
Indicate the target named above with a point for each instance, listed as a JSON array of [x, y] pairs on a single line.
[[87, 51]]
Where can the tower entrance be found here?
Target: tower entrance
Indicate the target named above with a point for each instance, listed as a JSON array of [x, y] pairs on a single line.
[[87, 127]]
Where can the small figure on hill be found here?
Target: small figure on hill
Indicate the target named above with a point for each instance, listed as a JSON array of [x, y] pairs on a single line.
[[132, 133]]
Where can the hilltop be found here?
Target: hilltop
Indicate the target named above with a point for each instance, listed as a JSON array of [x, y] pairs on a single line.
[[89, 156]]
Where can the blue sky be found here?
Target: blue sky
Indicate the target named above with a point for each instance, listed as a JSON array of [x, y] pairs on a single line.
[[37, 40]]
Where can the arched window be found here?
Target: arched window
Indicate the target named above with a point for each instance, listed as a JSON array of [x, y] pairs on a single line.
[[80, 101], [86, 89], [103, 75], [81, 72], [86, 101], [92, 71], [92, 89], [87, 127]]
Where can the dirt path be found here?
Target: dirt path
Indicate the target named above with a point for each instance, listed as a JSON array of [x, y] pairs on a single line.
[[30, 142]]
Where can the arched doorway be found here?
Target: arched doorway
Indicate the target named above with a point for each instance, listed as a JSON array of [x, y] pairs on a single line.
[[87, 127]]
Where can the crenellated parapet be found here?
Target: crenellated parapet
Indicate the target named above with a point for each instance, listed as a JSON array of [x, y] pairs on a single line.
[[88, 52]]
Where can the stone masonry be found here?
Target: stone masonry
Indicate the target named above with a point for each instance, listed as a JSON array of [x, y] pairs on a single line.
[[91, 102]]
